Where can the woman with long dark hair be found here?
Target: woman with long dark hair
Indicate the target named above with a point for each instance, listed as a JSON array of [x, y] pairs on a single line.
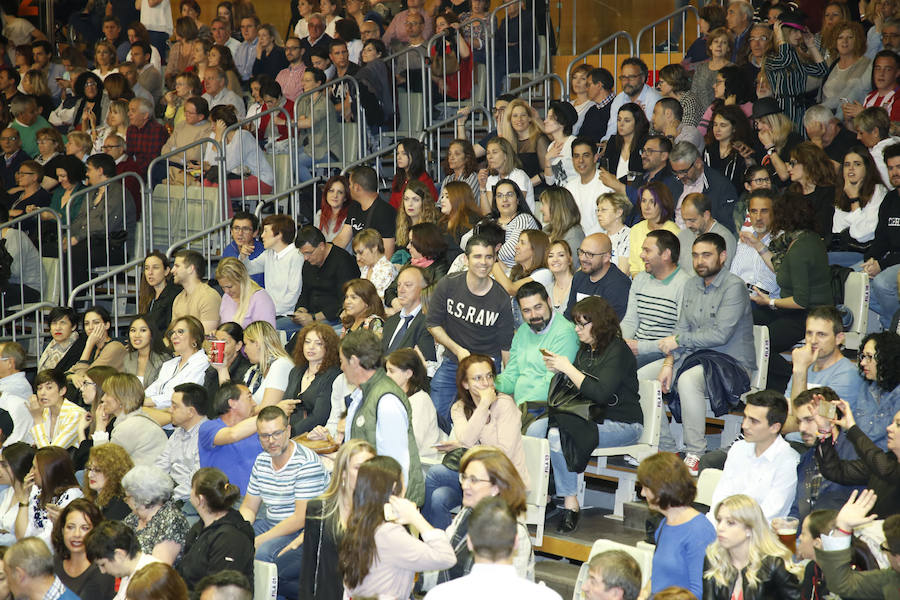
[[157, 291], [812, 175], [99, 348], [377, 555], [605, 372], [145, 352], [363, 307], [70, 561], [458, 209], [510, 209], [729, 138], [18, 459], [623, 150], [333, 212], [407, 369], [235, 364], [856, 208], [410, 165], [531, 263], [49, 487], [461, 165]]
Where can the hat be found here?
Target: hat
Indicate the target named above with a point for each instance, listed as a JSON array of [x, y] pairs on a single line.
[[764, 107], [6, 424], [794, 19]]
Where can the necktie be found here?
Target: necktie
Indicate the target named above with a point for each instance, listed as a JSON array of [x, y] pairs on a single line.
[[395, 343]]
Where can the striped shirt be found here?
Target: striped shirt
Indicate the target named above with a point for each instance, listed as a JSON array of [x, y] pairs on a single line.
[[653, 308], [65, 430], [749, 266], [302, 478]]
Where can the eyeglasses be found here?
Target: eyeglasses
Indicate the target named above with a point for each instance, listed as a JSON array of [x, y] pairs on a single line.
[[110, 146], [93, 469], [8, 138], [866, 356], [583, 323], [90, 83], [643, 151], [46, 141], [471, 480], [592, 255], [682, 172], [26, 173], [761, 180], [178, 332], [759, 38], [242, 228], [482, 378], [271, 436], [507, 195]]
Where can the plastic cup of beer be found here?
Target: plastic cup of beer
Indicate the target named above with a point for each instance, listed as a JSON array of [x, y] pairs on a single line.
[[786, 530]]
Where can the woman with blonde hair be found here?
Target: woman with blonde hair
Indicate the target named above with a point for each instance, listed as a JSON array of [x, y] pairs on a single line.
[[363, 308], [104, 59], [156, 581], [368, 246], [243, 300], [134, 430], [502, 163], [851, 76], [35, 84], [561, 217], [326, 521], [268, 377], [188, 366], [522, 128], [777, 137], [103, 473], [612, 209], [417, 206], [116, 123], [462, 166], [747, 560]]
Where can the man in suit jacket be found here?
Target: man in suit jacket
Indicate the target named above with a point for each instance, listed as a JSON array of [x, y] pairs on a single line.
[[695, 177], [397, 333]]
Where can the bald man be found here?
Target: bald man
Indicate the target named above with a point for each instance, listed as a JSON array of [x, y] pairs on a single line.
[[599, 276]]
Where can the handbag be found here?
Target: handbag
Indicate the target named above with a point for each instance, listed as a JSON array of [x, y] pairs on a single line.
[[445, 64], [452, 459], [570, 412]]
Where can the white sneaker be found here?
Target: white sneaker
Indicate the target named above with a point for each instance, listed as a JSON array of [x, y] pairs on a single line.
[[693, 463]]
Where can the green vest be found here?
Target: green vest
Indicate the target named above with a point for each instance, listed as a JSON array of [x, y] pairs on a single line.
[[363, 427]]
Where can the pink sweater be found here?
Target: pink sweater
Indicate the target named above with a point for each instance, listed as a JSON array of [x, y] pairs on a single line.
[[398, 557]]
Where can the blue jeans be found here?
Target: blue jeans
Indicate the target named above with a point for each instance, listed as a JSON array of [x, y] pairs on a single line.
[[268, 550], [443, 390], [883, 298], [846, 259], [287, 325], [289, 565], [612, 434], [443, 493]]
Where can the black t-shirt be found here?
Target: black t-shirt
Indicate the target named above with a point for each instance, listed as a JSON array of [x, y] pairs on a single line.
[[612, 287], [381, 217], [480, 324], [841, 143]]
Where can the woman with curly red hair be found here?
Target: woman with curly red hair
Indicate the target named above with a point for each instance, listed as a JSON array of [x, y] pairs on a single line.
[[318, 364]]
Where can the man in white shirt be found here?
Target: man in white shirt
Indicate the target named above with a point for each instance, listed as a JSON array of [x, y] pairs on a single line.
[[492, 541], [587, 187], [12, 379], [114, 548], [748, 263], [762, 465], [281, 262], [633, 79], [217, 92], [696, 210], [222, 36], [181, 456]]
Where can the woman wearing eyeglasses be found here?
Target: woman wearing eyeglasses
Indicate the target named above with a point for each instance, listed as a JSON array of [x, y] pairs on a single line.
[[510, 209], [604, 372], [188, 366], [485, 471], [480, 417]]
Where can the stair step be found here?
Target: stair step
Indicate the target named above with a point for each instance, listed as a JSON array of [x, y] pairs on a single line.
[[558, 575]]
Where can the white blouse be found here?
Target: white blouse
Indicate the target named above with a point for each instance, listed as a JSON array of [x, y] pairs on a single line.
[[862, 221]]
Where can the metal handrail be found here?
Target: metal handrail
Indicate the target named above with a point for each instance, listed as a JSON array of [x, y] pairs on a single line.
[[370, 157], [429, 133], [360, 113], [491, 33], [31, 308], [111, 273], [682, 12], [196, 236], [598, 49], [426, 83], [459, 33], [539, 81], [276, 198], [292, 146], [182, 151], [36, 214]]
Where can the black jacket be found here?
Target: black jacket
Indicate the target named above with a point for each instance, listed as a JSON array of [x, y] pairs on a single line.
[[433, 273], [775, 583], [875, 469], [885, 248], [316, 405], [226, 544], [416, 334]]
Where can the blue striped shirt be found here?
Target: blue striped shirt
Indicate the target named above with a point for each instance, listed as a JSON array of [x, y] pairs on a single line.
[[302, 478]]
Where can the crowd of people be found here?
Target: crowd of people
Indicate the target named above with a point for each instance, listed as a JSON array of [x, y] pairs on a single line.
[[350, 398]]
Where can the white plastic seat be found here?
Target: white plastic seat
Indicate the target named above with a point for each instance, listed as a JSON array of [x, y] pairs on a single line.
[[856, 298], [731, 423], [652, 407], [537, 461], [706, 485], [643, 554], [265, 580]]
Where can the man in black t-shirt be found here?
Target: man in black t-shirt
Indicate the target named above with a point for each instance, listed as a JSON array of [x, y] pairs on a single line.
[[827, 132], [368, 211], [470, 314]]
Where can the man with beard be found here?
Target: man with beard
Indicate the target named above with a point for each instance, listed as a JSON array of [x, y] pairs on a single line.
[[599, 276], [748, 263], [715, 315], [633, 79], [882, 263], [814, 492], [526, 377]]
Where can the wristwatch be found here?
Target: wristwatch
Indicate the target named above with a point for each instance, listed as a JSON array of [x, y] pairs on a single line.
[[772, 303]]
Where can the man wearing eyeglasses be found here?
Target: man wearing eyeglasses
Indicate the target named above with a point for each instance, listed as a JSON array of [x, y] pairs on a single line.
[[196, 126], [244, 234], [748, 263], [13, 156], [284, 476], [633, 79], [598, 276], [694, 177], [655, 160]]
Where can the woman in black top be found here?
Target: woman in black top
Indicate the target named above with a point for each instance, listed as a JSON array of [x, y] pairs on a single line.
[[813, 175], [632, 128], [103, 475], [605, 373], [729, 134], [157, 292], [70, 561], [318, 364], [326, 519]]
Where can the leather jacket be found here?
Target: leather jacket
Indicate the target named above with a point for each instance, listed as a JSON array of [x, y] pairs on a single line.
[[775, 583]]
